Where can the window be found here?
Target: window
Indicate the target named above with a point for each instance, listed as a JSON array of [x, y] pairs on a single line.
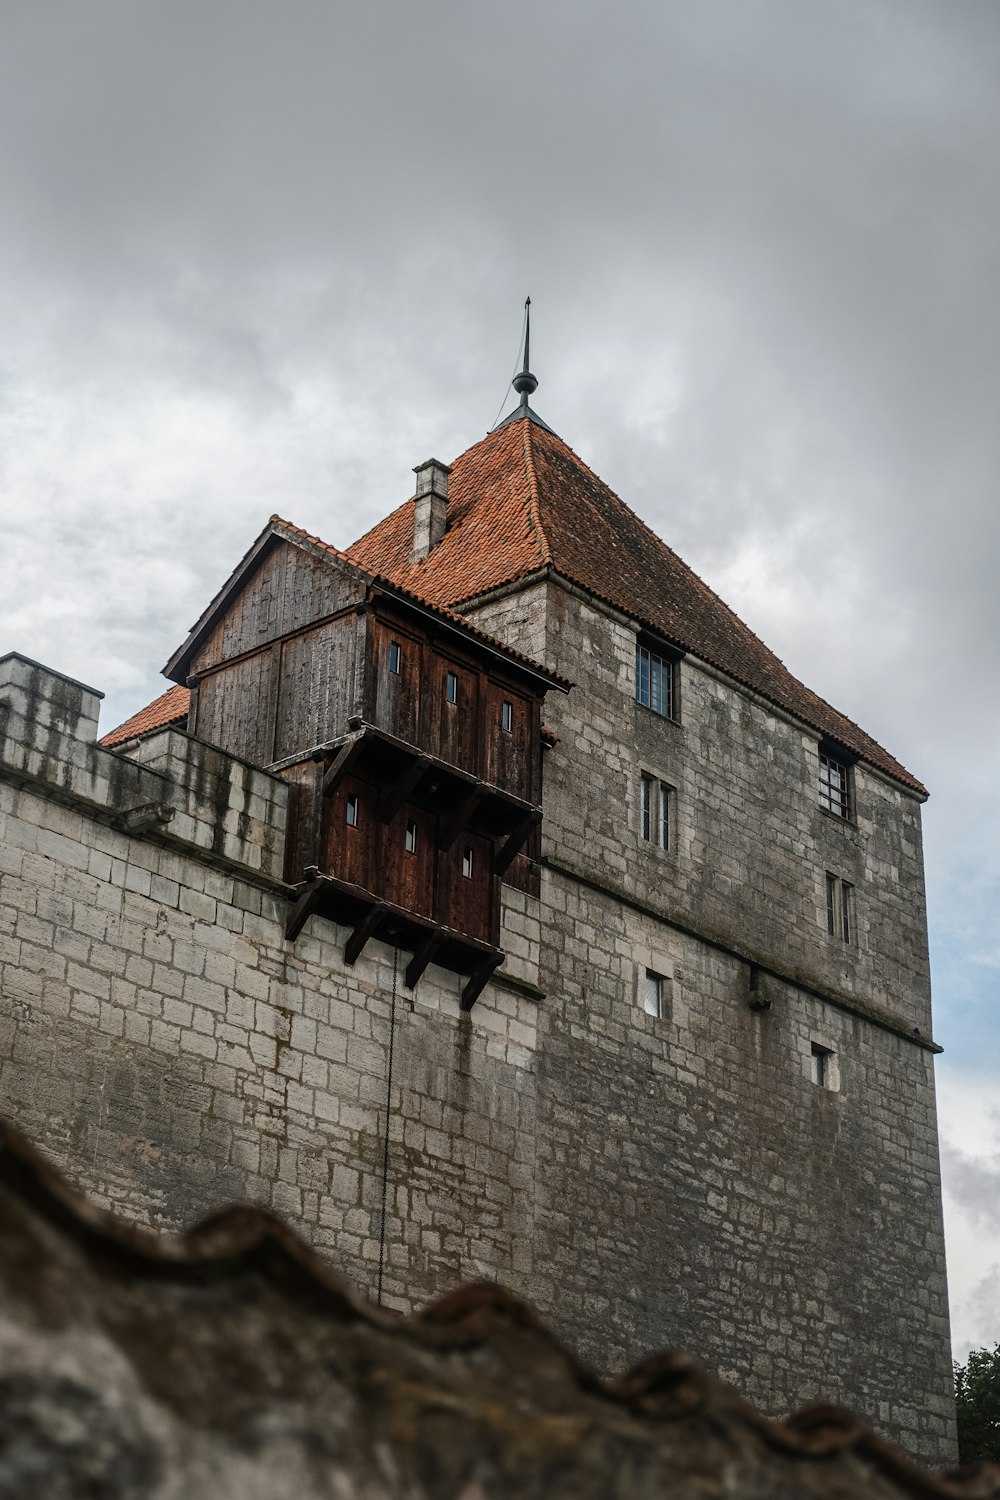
[[654, 811], [654, 681], [411, 837], [839, 917], [467, 862], [834, 789], [652, 997], [352, 811], [822, 1066], [507, 716], [395, 657], [451, 687]]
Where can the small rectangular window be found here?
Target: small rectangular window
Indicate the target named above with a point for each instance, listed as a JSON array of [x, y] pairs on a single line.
[[352, 811], [507, 716], [451, 687], [821, 1065], [467, 863], [654, 681], [834, 789], [654, 811], [839, 913], [652, 1000], [395, 657], [411, 838]]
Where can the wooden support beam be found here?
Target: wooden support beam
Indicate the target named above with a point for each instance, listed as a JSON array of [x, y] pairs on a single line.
[[396, 795], [452, 826], [514, 841], [355, 945], [302, 911], [424, 955], [479, 979], [346, 756]]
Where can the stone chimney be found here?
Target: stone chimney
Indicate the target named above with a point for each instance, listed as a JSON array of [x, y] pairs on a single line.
[[430, 507]]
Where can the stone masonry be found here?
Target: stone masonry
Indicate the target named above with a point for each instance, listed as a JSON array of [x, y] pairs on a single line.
[[643, 1180]]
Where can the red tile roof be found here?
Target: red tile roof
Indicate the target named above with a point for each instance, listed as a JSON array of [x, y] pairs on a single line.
[[170, 708], [521, 500]]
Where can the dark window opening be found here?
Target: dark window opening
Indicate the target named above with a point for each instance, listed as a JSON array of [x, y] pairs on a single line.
[[834, 788], [451, 687], [821, 1065], [395, 657], [654, 681], [467, 863], [839, 916], [652, 999], [507, 717], [654, 811], [411, 838], [352, 811]]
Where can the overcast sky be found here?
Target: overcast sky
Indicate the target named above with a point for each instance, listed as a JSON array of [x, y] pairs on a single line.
[[263, 257]]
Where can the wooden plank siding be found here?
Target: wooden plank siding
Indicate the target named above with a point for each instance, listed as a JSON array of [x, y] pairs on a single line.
[[289, 590], [317, 694], [234, 708]]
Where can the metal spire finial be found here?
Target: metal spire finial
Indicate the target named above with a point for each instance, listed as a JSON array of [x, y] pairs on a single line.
[[524, 382]]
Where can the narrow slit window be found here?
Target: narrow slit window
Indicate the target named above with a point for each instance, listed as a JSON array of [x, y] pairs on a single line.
[[652, 999], [352, 811], [411, 837], [507, 716], [821, 1070], [839, 908], [451, 687], [395, 657], [654, 811], [467, 862]]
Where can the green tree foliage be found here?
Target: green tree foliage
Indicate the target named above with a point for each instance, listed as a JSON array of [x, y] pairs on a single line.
[[977, 1401]]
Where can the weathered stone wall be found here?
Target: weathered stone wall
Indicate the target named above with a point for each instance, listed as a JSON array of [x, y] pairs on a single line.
[[644, 1181], [693, 1184]]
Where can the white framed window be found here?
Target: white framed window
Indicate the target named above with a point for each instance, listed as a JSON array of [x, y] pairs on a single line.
[[834, 786], [411, 837], [352, 811], [839, 908], [467, 862], [507, 716], [654, 811], [395, 657], [653, 996], [654, 681]]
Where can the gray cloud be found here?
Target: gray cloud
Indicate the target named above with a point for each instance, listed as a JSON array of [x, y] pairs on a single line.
[[259, 257]]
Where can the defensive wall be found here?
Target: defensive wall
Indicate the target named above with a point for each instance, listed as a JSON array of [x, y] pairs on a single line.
[[644, 1180]]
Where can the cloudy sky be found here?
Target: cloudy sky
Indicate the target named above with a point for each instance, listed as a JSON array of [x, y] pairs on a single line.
[[259, 257]]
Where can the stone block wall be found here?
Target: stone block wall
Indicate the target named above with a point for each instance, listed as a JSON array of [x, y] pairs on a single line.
[[644, 1180]]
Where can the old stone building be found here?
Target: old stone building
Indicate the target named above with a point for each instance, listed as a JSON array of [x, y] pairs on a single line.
[[489, 901]]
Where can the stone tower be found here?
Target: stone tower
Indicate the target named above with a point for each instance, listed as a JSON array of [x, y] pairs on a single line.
[[506, 784]]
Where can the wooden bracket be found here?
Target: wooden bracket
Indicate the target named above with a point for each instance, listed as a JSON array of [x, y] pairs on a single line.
[[452, 827], [355, 945], [514, 841], [479, 979], [302, 911], [346, 756], [423, 956], [396, 795]]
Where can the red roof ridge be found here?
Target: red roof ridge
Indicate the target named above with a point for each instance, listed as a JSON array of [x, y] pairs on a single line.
[[169, 708], [534, 508]]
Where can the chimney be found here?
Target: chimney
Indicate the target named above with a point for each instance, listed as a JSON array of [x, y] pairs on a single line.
[[430, 508]]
